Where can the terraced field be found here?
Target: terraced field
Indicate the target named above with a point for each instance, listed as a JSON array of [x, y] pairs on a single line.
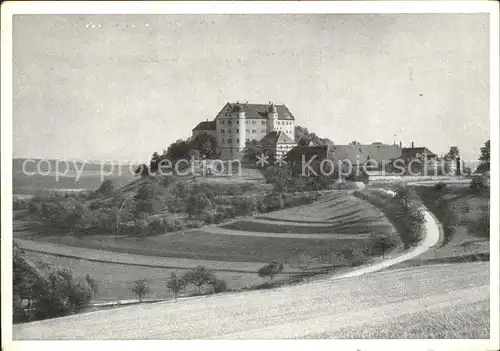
[[340, 215], [236, 250]]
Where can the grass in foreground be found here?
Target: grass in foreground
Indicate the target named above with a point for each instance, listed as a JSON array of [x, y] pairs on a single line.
[[471, 322]]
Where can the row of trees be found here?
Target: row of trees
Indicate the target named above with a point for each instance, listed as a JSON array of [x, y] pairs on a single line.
[[202, 146], [198, 277]]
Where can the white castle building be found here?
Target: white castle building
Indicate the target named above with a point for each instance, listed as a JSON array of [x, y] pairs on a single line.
[[238, 123]]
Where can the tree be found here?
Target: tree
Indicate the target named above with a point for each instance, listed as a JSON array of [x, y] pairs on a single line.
[[146, 200], [107, 187], [155, 162], [270, 270], [141, 288], [175, 284], [206, 144], [485, 152], [251, 150], [43, 291], [303, 141], [197, 203], [178, 150], [142, 170], [453, 154], [381, 244], [199, 276], [354, 142], [303, 137]]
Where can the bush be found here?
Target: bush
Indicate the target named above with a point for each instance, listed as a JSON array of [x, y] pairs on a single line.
[[155, 227], [270, 270], [403, 210], [439, 186], [107, 188], [147, 191], [482, 225], [47, 292], [480, 183], [198, 203], [199, 277], [195, 223], [18, 204], [220, 286]]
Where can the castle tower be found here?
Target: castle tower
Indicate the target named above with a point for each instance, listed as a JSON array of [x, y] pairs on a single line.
[[272, 118], [238, 130]]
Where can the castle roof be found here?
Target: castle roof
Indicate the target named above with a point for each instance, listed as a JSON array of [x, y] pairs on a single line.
[[361, 153], [412, 152], [276, 137], [258, 111], [207, 125], [307, 152]]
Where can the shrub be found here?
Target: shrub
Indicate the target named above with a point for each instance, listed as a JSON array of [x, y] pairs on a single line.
[[167, 180], [480, 183], [439, 186], [47, 292], [270, 270], [208, 217], [403, 210], [482, 225], [195, 223], [147, 191], [141, 288], [155, 227], [18, 204], [223, 200], [107, 188], [220, 286], [199, 277], [197, 203]]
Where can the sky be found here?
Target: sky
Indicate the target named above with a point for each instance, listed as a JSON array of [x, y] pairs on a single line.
[[119, 87]]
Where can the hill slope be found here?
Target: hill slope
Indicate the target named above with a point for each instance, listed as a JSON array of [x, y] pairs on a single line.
[[456, 307]]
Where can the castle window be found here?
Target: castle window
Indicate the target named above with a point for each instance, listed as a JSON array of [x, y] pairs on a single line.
[[222, 130], [263, 122], [221, 121], [222, 141], [253, 122], [229, 140], [237, 122], [237, 140], [237, 130], [254, 131]]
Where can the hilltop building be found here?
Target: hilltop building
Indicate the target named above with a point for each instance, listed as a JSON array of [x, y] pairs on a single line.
[[238, 123]]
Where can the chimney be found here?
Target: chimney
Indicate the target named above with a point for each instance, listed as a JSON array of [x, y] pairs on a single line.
[[401, 144], [412, 144]]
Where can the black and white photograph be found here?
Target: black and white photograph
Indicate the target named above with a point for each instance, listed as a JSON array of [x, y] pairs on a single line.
[[250, 171]]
